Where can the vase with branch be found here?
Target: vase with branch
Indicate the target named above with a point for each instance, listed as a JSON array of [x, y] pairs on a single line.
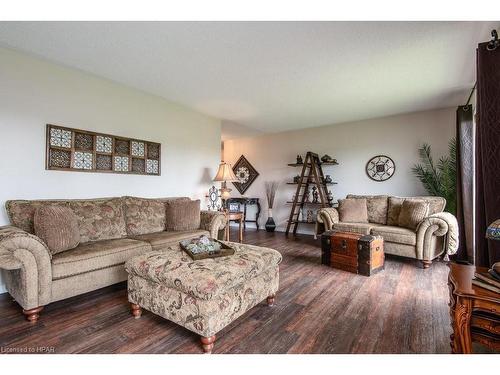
[[271, 188], [439, 179]]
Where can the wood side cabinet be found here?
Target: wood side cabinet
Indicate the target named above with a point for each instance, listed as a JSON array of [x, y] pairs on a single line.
[[474, 311]]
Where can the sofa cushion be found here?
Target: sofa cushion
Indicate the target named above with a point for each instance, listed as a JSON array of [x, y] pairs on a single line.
[[206, 278], [143, 215], [160, 240], [393, 210], [99, 219], [412, 213], [93, 256], [376, 206], [396, 234], [361, 228], [22, 212], [57, 226], [353, 210], [182, 215]]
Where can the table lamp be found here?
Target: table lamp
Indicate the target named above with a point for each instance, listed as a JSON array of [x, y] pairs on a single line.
[[493, 233], [225, 174]]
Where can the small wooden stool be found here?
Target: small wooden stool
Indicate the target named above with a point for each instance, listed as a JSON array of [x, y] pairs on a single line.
[[234, 216]]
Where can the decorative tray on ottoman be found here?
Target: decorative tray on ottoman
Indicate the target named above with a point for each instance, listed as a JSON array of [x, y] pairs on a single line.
[[203, 247]]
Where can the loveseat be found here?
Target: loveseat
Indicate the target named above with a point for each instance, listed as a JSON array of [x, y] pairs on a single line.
[[111, 231], [435, 234]]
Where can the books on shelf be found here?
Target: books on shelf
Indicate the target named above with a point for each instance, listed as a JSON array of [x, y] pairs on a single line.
[[486, 281]]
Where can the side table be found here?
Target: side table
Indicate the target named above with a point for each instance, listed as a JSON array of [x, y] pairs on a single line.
[[234, 216], [474, 311]]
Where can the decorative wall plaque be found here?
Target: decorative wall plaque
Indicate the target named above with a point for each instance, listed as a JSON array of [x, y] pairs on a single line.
[[245, 173], [85, 151], [380, 168]]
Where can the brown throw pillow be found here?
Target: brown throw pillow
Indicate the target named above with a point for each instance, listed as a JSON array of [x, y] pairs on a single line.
[[393, 210], [182, 215], [353, 211], [412, 213], [57, 226]]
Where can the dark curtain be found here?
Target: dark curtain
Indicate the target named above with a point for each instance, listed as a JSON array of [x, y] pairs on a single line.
[[465, 180], [487, 153]]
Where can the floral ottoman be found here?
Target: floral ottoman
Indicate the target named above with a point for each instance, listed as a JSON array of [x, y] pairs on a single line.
[[205, 295]]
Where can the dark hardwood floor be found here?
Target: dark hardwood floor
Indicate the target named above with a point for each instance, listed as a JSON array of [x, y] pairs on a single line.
[[318, 309]]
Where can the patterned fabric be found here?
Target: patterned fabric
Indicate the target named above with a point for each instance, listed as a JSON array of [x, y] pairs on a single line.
[[164, 239], [213, 221], [30, 284], [376, 205], [353, 211], [325, 218], [182, 215], [144, 216], [412, 213], [436, 204], [93, 256], [361, 228], [207, 278], [99, 219], [396, 234], [203, 317], [57, 226], [440, 224]]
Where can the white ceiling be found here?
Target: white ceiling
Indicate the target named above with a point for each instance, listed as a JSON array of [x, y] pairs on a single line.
[[272, 76]]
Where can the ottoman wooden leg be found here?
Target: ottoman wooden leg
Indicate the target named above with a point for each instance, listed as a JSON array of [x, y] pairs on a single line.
[[426, 263], [270, 300], [136, 310], [32, 315], [208, 343]]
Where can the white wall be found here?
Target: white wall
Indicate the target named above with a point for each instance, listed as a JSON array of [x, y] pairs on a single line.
[[352, 144], [34, 92]]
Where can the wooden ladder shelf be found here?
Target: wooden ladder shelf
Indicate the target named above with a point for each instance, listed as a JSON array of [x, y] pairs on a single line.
[[312, 174]]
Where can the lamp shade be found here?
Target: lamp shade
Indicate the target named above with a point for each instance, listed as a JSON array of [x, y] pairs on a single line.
[[225, 173], [493, 231]]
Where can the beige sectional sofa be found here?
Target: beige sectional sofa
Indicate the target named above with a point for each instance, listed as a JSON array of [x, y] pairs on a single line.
[[435, 234], [112, 230]]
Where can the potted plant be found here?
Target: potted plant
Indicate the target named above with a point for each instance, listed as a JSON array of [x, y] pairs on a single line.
[[439, 180], [271, 187]]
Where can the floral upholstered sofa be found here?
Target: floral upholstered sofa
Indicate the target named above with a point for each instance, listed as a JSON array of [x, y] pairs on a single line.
[[434, 234], [111, 231]]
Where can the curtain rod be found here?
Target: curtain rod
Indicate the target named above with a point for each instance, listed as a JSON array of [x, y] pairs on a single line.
[[492, 45]]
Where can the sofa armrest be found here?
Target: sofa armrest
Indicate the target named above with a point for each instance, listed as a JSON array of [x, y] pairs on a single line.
[[213, 221], [325, 218], [28, 261], [438, 224]]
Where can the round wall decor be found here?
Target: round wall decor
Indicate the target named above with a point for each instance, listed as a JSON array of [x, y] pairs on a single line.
[[380, 168]]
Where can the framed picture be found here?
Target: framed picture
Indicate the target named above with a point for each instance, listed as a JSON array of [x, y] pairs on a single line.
[[245, 173]]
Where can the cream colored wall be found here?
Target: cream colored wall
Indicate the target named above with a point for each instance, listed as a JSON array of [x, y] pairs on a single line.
[[34, 92], [352, 144]]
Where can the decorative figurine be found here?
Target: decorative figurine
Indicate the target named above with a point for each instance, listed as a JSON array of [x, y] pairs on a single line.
[[326, 158], [328, 179], [301, 216], [299, 159], [296, 179], [315, 194], [309, 216], [329, 197], [306, 195]]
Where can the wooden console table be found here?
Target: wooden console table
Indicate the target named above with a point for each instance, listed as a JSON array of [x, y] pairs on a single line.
[[474, 311], [246, 202]]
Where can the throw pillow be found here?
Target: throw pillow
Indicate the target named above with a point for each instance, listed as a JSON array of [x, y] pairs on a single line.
[[182, 215], [57, 226], [412, 213], [393, 210], [353, 211]]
